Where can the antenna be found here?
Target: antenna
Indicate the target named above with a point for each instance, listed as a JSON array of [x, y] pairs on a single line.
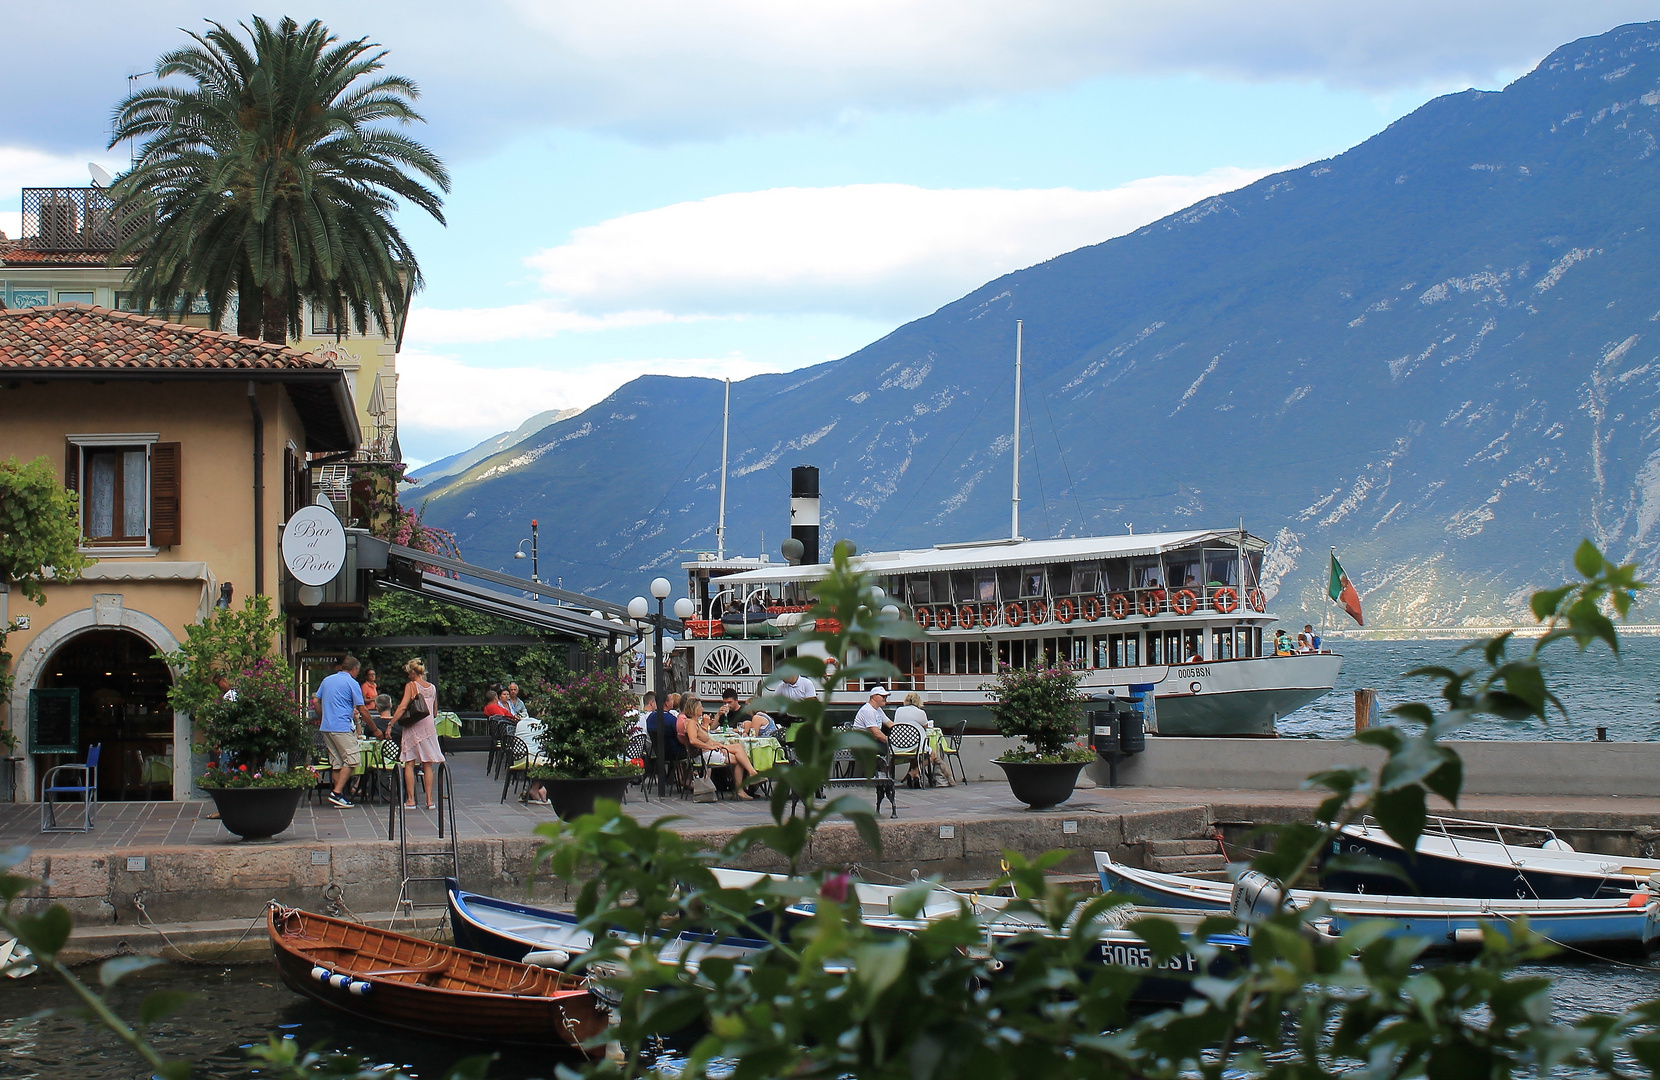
[[720, 524], [1014, 511], [100, 178]]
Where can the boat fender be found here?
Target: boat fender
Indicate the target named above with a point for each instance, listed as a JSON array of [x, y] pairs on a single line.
[[1255, 897], [1638, 899], [1553, 844], [1468, 935], [548, 958], [341, 982]]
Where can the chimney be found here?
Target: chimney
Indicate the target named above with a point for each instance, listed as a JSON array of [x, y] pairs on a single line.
[[804, 511]]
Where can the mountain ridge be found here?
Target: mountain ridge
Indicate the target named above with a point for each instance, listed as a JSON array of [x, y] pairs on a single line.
[[1434, 350]]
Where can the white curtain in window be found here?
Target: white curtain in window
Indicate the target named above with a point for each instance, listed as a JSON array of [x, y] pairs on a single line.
[[100, 494], [133, 496]]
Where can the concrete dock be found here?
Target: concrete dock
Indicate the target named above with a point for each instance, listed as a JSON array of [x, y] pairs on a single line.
[[150, 872]]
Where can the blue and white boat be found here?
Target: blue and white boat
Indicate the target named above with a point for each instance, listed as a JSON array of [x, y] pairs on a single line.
[[1614, 925], [512, 931]]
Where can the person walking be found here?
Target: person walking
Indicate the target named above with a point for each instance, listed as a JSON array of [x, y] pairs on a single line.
[[339, 699], [419, 741]]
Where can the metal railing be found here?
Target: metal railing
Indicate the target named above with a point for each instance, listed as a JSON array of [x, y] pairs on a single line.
[[77, 219]]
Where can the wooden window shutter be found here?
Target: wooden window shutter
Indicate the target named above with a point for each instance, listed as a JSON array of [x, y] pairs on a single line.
[[72, 466], [166, 494], [290, 485]]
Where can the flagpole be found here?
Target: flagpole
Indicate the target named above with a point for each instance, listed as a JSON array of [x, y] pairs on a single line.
[[1325, 612]]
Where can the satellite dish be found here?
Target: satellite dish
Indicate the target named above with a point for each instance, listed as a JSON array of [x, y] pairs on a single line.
[[100, 178]]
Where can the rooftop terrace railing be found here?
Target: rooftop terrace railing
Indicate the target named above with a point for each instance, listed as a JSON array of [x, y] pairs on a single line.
[[77, 219]]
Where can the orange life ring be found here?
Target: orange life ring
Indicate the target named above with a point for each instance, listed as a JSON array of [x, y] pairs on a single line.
[[1065, 609], [945, 617], [988, 615], [1013, 614], [1092, 608], [1184, 602], [1151, 601], [924, 617], [1224, 600], [1038, 612], [1257, 600], [967, 617], [1118, 605]]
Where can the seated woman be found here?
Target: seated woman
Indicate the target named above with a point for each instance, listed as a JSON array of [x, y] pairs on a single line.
[[911, 713], [699, 742], [761, 726]]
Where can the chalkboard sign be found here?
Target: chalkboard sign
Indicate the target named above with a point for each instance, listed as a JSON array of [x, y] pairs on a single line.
[[55, 721]]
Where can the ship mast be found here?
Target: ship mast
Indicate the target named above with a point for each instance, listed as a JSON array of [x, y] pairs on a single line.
[[1014, 510], [720, 524]]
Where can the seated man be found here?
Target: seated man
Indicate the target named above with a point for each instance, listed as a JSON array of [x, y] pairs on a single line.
[[493, 706]]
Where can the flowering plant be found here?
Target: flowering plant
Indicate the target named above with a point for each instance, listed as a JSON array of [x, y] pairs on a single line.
[[241, 776], [260, 727], [584, 725], [1040, 706]]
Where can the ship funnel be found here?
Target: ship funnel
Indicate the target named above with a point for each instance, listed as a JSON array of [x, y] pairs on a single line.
[[804, 511]]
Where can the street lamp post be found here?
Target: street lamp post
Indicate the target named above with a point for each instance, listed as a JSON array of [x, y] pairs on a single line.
[[639, 610], [535, 574]]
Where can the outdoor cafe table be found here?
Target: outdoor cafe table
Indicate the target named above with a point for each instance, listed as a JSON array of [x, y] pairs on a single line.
[[448, 725]]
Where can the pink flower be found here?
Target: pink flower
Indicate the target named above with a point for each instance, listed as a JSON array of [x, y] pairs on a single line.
[[835, 888]]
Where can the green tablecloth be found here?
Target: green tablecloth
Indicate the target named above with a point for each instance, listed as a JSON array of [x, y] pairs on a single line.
[[449, 725], [763, 753], [369, 756]]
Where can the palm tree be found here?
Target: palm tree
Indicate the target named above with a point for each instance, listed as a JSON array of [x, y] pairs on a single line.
[[273, 180]]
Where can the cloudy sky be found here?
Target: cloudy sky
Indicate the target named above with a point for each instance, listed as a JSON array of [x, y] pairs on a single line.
[[738, 186]]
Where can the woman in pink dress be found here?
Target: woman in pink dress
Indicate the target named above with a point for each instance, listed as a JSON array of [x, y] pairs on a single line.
[[420, 740]]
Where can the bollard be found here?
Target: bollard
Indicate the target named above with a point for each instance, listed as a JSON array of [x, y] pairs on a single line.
[[1366, 703], [1602, 734]]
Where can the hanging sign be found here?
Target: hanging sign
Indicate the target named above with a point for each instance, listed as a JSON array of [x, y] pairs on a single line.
[[313, 545]]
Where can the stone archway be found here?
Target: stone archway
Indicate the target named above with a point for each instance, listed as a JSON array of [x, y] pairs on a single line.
[[107, 612]]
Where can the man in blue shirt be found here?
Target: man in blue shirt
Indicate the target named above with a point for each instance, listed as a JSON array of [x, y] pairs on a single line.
[[339, 697]]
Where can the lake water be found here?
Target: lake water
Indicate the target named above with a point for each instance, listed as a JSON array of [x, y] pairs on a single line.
[[1596, 689], [242, 1006]]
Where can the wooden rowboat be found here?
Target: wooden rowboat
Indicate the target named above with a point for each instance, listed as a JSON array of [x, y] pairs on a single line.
[[423, 986]]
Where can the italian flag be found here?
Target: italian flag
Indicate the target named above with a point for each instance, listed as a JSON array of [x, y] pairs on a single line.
[[1343, 590]]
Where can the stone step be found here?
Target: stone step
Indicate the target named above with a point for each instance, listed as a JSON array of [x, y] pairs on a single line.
[[1164, 848], [1186, 864]]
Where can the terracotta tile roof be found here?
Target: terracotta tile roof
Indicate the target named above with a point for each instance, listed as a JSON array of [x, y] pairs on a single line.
[[72, 337], [22, 253]]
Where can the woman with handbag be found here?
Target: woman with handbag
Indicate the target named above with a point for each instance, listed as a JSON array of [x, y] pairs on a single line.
[[418, 732]]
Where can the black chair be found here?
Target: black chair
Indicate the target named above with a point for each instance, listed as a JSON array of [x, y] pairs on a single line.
[[639, 746], [951, 749], [908, 746], [518, 768]]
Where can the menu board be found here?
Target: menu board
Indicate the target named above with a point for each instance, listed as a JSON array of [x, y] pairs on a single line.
[[55, 721]]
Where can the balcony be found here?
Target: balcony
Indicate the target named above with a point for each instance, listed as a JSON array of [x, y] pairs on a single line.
[[76, 219]]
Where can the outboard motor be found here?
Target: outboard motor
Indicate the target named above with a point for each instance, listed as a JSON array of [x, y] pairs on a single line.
[[1255, 897]]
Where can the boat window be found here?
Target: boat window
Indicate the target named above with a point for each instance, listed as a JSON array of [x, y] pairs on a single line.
[[1193, 644], [1031, 581], [918, 590], [1173, 647], [940, 586], [933, 665], [1117, 575], [1242, 646], [767, 659], [1221, 646], [985, 586], [1060, 578], [1221, 566], [1155, 648], [1103, 649], [962, 586], [1086, 578], [1183, 569], [1145, 572], [1253, 569], [1008, 582], [1132, 650], [1080, 652]]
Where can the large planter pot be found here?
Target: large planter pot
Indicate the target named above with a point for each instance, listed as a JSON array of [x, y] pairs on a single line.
[[573, 798], [256, 813], [1040, 784]]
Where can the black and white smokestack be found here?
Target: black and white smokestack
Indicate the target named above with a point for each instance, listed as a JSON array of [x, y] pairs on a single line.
[[804, 511]]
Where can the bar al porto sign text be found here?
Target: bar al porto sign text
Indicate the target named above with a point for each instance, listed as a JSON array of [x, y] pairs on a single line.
[[313, 545]]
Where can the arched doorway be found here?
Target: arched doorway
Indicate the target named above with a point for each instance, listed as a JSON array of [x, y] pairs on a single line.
[[121, 691]]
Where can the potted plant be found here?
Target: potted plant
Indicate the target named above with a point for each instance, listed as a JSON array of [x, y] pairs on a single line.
[[259, 730], [1041, 707], [584, 740]]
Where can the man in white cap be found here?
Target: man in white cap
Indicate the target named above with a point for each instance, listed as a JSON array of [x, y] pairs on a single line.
[[871, 719]]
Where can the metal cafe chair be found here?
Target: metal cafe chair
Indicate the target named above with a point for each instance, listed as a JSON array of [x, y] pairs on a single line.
[[907, 746], [951, 749], [518, 767], [86, 790], [639, 746]]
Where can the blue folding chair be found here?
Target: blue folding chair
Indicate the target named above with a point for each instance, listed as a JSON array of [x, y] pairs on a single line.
[[86, 790]]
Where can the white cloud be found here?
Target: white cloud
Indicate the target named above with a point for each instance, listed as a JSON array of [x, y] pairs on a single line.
[[877, 250], [666, 69], [440, 392], [447, 326]]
